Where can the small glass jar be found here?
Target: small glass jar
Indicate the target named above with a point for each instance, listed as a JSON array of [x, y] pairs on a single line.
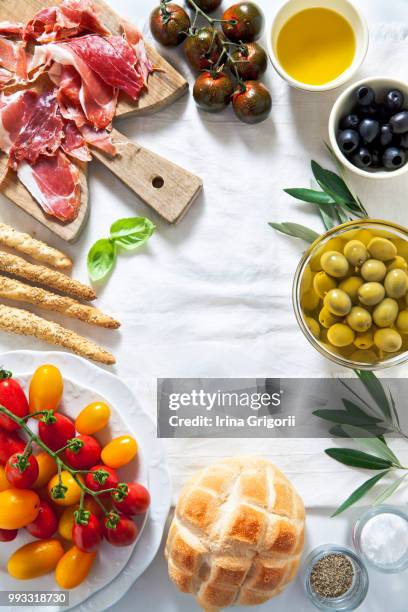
[[356, 594], [381, 228], [389, 568]]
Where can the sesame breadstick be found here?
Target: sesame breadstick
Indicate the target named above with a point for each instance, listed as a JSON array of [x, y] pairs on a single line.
[[25, 323], [12, 289], [36, 249], [17, 266]]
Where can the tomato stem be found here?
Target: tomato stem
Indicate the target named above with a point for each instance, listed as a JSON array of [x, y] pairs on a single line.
[[211, 20], [5, 374]]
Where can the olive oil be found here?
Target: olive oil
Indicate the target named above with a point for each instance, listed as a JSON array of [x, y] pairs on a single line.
[[315, 46]]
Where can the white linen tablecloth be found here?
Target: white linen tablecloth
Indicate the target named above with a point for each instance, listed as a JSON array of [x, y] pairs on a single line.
[[212, 296]]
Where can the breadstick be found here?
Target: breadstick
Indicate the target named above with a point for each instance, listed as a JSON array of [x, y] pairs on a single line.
[[34, 248], [44, 276], [12, 289], [24, 323]]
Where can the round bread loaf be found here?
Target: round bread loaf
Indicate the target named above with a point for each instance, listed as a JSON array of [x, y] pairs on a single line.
[[237, 534]]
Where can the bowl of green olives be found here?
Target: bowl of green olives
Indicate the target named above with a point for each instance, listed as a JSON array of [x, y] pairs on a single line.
[[350, 294], [368, 128]]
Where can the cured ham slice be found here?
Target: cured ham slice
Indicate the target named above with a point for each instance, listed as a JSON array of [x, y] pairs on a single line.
[[9, 28], [71, 18], [13, 59], [74, 143], [134, 38], [99, 139]]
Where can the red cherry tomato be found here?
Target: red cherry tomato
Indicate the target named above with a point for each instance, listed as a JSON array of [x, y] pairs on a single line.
[[8, 535], [123, 534], [21, 478], [131, 498], [13, 398], [46, 523], [87, 537], [94, 482], [56, 430], [87, 456], [10, 443]]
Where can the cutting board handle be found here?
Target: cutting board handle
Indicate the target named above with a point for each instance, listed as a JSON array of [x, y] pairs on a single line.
[[162, 185]]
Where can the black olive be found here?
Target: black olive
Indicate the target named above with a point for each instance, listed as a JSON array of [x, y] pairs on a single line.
[[376, 158], [369, 130], [404, 140], [362, 158], [371, 110], [394, 158], [383, 113], [399, 122], [348, 141], [394, 100], [350, 122], [365, 95], [386, 135]]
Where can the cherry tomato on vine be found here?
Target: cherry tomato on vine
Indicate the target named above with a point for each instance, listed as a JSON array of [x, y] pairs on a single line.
[[22, 472], [8, 535], [203, 48], [131, 498], [96, 483], [47, 468], [13, 398], [87, 456], [68, 493], [46, 388], [10, 443], [35, 559], [93, 418], [246, 22], [169, 24], [66, 522], [252, 102], [212, 91], [46, 523], [208, 6], [87, 534], [73, 568], [119, 451], [18, 508], [123, 534], [55, 430], [249, 60]]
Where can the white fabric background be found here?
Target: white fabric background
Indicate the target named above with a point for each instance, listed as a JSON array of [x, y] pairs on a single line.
[[212, 296]]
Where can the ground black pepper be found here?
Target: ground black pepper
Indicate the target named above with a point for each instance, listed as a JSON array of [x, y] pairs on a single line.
[[332, 576]]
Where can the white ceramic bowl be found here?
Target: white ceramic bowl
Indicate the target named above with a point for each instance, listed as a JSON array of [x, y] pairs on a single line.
[[347, 10], [344, 105]]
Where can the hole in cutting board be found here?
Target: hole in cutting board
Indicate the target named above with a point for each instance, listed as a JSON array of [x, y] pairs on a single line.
[[157, 182]]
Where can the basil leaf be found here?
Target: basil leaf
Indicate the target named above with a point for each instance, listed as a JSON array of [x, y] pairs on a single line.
[[390, 490], [101, 259], [359, 493], [376, 390], [310, 195], [356, 458], [131, 233], [373, 444], [296, 230], [345, 418]]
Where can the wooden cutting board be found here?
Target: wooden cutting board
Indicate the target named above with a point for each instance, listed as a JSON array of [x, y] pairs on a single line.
[[164, 186]]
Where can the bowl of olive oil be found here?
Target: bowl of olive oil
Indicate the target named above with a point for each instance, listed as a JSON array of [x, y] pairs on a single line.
[[317, 45]]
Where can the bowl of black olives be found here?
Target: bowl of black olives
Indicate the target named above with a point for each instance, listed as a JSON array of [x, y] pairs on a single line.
[[368, 128]]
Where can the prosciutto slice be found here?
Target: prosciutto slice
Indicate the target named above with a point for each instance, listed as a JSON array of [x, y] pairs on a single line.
[[13, 61], [9, 28], [69, 19], [74, 144]]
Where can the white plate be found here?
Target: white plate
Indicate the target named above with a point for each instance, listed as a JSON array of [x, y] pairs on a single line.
[[116, 569]]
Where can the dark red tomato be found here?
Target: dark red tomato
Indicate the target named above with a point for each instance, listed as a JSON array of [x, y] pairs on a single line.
[[252, 102], [250, 61], [10, 443], [13, 398], [203, 48], [8, 535], [87, 537], [243, 22], [212, 91], [21, 478], [169, 24], [55, 431], [131, 498], [208, 6], [95, 483], [87, 456], [46, 523], [123, 534]]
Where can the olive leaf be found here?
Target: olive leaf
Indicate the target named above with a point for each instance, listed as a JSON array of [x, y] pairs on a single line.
[[310, 195], [372, 444], [131, 233], [101, 259], [356, 458], [359, 492], [342, 417], [376, 390], [390, 490], [296, 230]]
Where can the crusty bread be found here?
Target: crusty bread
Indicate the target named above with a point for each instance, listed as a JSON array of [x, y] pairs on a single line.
[[237, 534]]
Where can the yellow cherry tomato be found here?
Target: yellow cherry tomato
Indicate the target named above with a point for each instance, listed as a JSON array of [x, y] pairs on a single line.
[[73, 568], [47, 468], [46, 389], [4, 483], [119, 451], [71, 495], [18, 508], [35, 559], [66, 522], [93, 418]]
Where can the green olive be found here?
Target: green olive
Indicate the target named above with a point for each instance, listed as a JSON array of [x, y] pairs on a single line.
[[388, 340], [359, 319], [337, 302], [307, 280], [351, 286], [323, 283], [356, 253], [402, 321], [398, 263], [385, 313], [364, 356], [313, 326], [326, 318], [382, 249], [335, 264], [371, 294], [340, 335], [373, 270], [310, 300], [364, 340], [396, 283]]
